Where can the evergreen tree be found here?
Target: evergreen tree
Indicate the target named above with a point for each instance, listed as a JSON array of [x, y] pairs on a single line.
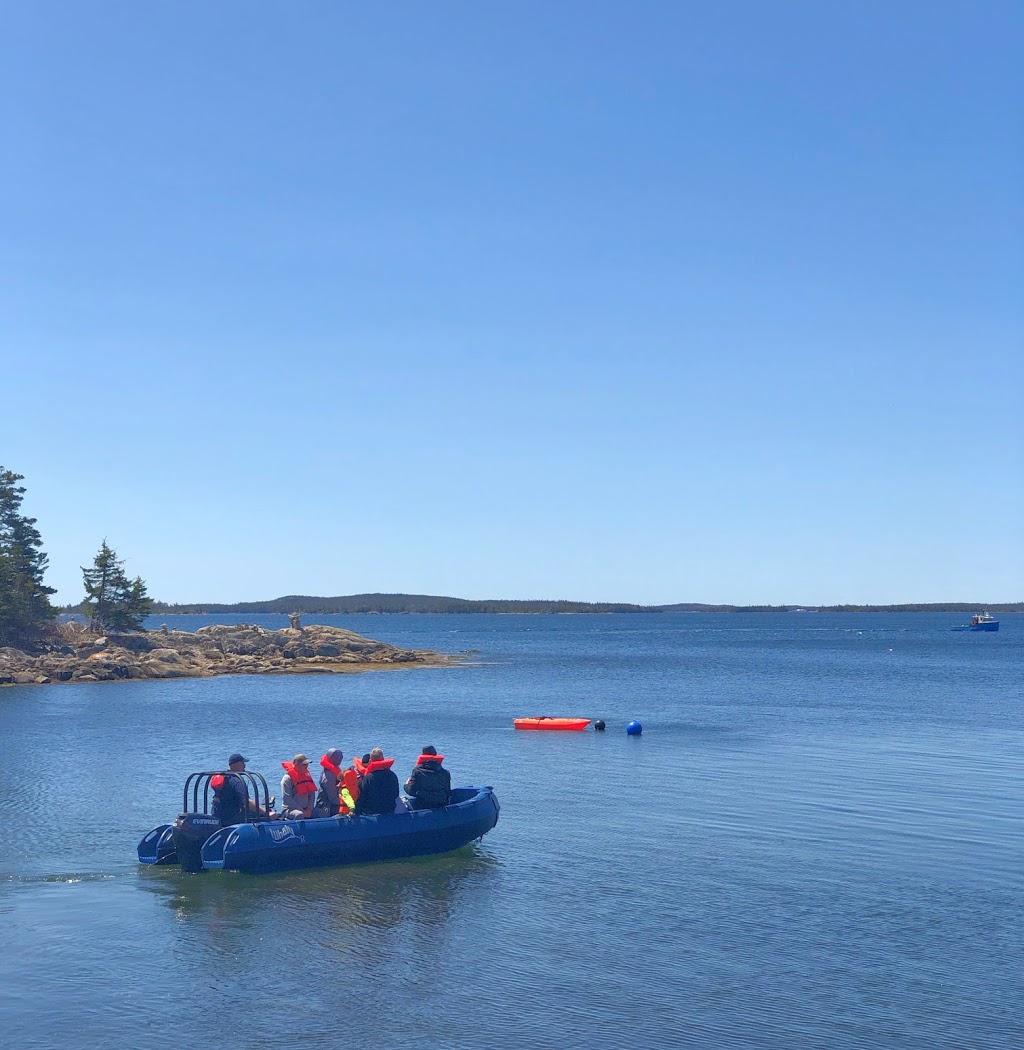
[[114, 602], [25, 608]]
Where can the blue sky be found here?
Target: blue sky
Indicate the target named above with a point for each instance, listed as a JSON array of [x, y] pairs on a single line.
[[642, 302]]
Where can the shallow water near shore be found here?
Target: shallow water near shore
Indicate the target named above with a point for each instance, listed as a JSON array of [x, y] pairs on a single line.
[[817, 842]]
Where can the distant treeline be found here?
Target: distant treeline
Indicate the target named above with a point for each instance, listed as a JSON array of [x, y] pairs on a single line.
[[394, 603], [426, 603]]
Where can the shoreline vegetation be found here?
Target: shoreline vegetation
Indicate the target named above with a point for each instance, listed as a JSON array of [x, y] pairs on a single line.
[[355, 604], [78, 654]]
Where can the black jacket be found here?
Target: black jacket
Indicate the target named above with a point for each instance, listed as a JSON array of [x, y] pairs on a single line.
[[378, 792], [231, 801], [430, 784]]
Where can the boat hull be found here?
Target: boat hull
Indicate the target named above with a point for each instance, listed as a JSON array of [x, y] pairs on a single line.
[[288, 845], [561, 724], [990, 626]]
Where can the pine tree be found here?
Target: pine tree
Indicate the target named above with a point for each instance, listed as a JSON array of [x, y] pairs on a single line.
[[114, 602], [25, 609]]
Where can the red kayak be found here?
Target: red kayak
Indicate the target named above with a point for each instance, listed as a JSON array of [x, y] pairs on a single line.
[[551, 723]]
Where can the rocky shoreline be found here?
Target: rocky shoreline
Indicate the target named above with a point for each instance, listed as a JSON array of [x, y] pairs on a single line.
[[83, 656]]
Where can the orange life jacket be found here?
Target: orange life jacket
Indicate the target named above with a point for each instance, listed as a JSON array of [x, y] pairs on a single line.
[[350, 779], [348, 791], [302, 783], [328, 764], [358, 766], [429, 758], [380, 763], [343, 808]]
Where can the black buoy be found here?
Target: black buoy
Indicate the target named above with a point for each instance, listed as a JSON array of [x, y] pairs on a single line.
[[599, 726]]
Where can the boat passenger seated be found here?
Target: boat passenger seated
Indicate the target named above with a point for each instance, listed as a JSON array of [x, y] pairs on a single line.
[[348, 792], [231, 796], [430, 786], [298, 790], [328, 800], [339, 788], [378, 786]]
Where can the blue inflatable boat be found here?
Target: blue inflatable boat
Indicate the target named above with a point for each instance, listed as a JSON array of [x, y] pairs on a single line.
[[197, 841]]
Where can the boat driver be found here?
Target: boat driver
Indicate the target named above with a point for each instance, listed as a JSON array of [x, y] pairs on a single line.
[[231, 796]]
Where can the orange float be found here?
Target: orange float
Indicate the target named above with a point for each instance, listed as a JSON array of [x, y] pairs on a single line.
[[545, 722]]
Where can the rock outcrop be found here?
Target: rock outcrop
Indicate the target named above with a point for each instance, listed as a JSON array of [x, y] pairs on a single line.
[[214, 650]]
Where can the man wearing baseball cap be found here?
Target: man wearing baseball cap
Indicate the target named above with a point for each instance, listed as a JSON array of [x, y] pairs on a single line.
[[231, 795], [298, 789]]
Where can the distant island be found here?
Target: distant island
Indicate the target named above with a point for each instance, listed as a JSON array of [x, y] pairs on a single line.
[[78, 654], [427, 603]]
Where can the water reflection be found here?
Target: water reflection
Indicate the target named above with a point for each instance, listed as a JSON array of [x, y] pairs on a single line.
[[424, 891]]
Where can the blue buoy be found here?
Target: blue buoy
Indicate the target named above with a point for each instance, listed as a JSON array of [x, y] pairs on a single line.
[[634, 728]]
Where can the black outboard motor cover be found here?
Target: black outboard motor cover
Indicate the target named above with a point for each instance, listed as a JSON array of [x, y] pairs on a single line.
[[190, 831]]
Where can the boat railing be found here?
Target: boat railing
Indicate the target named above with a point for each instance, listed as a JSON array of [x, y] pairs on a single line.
[[199, 785]]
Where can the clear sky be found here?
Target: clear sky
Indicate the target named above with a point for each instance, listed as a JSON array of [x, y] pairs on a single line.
[[646, 301]]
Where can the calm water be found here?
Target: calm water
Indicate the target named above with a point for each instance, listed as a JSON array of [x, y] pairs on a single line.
[[817, 842]]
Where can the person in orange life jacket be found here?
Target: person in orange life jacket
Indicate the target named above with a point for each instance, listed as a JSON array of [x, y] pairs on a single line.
[[231, 795], [298, 790], [430, 785], [349, 792], [328, 799], [378, 786], [351, 778]]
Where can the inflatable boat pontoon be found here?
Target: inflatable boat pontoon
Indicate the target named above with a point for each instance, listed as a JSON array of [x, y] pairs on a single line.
[[197, 842]]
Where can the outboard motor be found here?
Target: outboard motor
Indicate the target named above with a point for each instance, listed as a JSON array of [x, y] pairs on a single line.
[[190, 831], [196, 823]]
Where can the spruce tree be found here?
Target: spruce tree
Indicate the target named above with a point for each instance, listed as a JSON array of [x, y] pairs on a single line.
[[114, 602], [25, 609]]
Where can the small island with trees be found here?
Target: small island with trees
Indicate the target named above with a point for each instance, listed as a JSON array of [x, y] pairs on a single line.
[[109, 642]]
